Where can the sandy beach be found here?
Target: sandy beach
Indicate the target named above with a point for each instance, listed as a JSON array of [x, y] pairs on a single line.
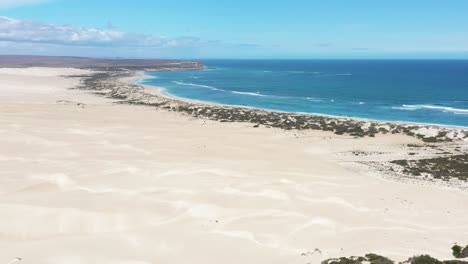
[[86, 180]]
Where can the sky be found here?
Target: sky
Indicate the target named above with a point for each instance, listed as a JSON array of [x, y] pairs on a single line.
[[245, 29]]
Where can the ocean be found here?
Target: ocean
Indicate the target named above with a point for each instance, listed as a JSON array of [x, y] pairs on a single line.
[[420, 91]]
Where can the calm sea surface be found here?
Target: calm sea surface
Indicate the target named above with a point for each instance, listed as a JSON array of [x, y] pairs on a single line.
[[424, 91]]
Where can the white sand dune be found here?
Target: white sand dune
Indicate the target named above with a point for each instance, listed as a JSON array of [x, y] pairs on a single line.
[[109, 183]]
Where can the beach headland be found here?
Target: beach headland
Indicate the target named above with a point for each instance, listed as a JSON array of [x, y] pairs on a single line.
[[100, 169]]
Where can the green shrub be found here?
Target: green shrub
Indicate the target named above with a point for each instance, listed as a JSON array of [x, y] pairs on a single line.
[[376, 259], [457, 251], [424, 259]]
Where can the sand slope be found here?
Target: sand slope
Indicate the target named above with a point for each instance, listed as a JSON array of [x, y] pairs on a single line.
[[107, 183]]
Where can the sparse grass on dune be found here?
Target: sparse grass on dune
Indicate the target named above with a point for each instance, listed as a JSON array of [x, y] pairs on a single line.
[[457, 251]]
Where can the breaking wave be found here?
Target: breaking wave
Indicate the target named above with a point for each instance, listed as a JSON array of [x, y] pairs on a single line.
[[445, 109], [198, 85], [249, 93]]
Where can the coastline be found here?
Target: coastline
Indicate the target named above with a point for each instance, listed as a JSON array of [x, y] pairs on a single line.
[[416, 164], [160, 91], [98, 169], [391, 173]]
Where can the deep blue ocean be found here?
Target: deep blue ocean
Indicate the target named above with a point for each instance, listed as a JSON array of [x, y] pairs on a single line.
[[422, 91]]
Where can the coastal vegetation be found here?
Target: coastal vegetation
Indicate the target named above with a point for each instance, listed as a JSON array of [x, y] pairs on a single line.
[[446, 165], [107, 83], [458, 253], [444, 168]]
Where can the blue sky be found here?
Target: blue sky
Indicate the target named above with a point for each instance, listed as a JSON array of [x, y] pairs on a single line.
[[237, 29]]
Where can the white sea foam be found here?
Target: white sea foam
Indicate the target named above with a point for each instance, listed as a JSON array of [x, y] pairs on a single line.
[[313, 99], [258, 94], [249, 93], [302, 72], [342, 74], [336, 74], [218, 89], [198, 85], [445, 109], [143, 81]]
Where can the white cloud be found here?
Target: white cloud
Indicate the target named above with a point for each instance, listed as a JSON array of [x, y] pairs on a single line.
[[24, 31], [5, 4], [38, 38]]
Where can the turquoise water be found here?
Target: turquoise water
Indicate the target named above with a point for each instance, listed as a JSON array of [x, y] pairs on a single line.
[[424, 91]]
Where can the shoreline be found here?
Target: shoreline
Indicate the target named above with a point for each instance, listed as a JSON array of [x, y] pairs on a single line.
[[144, 97], [139, 76], [452, 143], [102, 171]]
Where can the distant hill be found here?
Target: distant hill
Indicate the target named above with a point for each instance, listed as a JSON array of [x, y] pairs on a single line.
[[83, 62]]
